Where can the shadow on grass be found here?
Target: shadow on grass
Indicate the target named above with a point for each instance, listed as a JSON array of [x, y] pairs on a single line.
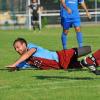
[[71, 70], [63, 77], [10, 70], [3, 69], [30, 68], [50, 77]]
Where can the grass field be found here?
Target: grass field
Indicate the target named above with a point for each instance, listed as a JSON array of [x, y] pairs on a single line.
[[51, 84]]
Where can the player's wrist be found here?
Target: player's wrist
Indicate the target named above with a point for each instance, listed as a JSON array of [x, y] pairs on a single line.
[[86, 10]]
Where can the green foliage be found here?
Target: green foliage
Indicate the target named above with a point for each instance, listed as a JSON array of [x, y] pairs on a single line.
[[56, 1], [44, 21]]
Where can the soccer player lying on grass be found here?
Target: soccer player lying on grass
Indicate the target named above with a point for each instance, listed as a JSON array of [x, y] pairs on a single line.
[[36, 56]]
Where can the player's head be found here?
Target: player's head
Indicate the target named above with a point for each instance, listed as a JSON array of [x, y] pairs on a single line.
[[34, 1], [20, 45]]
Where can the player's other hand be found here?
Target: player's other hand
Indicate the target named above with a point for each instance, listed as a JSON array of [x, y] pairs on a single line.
[[69, 10], [88, 15]]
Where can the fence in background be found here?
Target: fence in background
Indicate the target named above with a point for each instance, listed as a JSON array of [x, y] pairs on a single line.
[[15, 14]]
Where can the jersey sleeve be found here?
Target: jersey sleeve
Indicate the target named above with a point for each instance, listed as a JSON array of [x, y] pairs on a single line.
[[30, 46], [23, 65], [80, 1]]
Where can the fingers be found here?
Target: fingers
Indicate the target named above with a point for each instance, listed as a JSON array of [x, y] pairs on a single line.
[[69, 11], [11, 68], [89, 15]]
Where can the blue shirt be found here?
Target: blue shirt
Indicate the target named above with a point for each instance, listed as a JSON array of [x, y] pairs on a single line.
[[40, 52], [43, 53], [73, 5]]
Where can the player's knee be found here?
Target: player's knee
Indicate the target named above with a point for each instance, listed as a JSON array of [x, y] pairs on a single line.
[[65, 32], [77, 29]]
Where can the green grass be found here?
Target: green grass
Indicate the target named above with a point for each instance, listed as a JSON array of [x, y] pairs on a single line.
[[51, 84]]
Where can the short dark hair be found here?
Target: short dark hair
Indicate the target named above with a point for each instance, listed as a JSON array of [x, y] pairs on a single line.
[[22, 40]]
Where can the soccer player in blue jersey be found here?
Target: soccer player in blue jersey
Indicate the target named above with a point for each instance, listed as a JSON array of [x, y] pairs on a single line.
[[21, 46], [70, 17]]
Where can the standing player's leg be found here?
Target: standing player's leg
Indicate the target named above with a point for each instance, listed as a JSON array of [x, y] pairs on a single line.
[[64, 38], [66, 25], [78, 32]]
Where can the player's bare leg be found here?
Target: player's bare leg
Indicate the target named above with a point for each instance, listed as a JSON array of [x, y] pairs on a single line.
[[82, 51]]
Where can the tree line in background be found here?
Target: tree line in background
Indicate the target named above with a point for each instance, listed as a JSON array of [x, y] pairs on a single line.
[[20, 5], [12, 5]]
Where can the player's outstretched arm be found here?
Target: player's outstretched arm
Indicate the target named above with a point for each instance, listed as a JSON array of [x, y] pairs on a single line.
[[85, 8], [24, 57]]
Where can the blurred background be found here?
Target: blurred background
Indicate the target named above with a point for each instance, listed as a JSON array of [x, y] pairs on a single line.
[[15, 14]]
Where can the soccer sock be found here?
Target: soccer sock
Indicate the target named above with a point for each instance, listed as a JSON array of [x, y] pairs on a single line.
[[92, 62], [94, 58], [89, 63], [96, 55], [64, 40], [79, 39]]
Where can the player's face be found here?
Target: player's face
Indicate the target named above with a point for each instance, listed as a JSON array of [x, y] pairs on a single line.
[[20, 47], [34, 1]]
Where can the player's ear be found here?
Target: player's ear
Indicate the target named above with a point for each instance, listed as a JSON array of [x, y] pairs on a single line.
[[24, 44]]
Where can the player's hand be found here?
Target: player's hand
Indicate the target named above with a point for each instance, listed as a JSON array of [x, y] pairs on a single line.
[[11, 67], [69, 10], [88, 15]]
